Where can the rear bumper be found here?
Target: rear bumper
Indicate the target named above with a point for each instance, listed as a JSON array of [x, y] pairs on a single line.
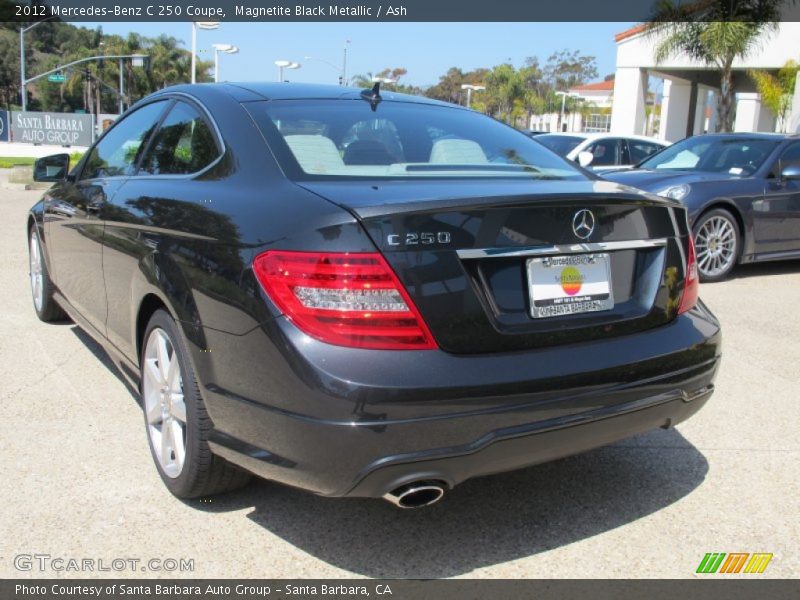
[[530, 444], [344, 422]]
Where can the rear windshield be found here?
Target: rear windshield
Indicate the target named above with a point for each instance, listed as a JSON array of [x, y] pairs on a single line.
[[334, 139], [560, 144]]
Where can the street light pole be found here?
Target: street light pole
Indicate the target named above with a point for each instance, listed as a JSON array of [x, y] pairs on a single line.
[[344, 64], [563, 101], [331, 65], [285, 64], [194, 52], [23, 92], [202, 25], [137, 61], [342, 70], [227, 49], [121, 88], [470, 87]]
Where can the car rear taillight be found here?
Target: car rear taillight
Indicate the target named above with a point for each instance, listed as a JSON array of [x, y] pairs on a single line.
[[347, 299], [691, 286]]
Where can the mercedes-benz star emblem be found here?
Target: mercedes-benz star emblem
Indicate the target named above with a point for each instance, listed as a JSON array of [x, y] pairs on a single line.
[[583, 223]]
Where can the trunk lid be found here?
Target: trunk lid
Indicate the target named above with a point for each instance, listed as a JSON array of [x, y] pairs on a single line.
[[462, 249]]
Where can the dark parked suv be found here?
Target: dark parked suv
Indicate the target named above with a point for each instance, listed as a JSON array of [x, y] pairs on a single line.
[[367, 294]]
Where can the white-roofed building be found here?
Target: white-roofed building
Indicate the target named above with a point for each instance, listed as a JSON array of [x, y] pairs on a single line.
[[689, 86]]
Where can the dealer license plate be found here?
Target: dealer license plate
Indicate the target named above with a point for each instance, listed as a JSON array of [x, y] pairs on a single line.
[[568, 285]]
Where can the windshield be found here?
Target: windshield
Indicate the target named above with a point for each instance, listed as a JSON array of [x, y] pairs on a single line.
[[560, 144], [333, 139], [713, 154]]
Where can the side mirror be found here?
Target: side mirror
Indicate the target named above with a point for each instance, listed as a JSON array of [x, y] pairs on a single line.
[[52, 168], [585, 158], [790, 172]]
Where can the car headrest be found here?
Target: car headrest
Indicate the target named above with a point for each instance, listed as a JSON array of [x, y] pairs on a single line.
[[457, 152], [315, 153]]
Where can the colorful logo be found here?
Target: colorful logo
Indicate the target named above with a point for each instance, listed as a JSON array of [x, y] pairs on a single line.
[[571, 280], [734, 563]]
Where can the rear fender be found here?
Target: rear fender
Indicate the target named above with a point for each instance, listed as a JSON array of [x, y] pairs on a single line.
[[36, 219], [160, 276]]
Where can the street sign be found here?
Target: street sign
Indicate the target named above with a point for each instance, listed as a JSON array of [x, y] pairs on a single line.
[[57, 78], [4, 129], [58, 129]]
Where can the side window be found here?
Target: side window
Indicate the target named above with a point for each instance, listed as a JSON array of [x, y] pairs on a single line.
[[606, 152], [184, 144], [740, 159], [640, 150], [117, 153], [790, 156]]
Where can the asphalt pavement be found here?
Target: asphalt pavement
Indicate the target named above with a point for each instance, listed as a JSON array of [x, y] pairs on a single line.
[[78, 481]]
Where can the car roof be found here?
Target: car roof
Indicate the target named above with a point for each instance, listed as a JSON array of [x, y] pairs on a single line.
[[601, 135], [577, 134], [245, 91], [626, 136], [747, 135]]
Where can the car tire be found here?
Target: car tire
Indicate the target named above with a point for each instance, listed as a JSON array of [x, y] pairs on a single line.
[[175, 416], [47, 309], [718, 243]]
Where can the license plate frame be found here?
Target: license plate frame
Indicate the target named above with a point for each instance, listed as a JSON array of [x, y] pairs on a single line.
[[569, 284]]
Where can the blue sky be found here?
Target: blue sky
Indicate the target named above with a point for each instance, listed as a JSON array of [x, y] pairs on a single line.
[[426, 49]]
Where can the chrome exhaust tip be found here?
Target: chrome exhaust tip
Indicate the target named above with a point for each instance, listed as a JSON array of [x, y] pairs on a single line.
[[417, 494]]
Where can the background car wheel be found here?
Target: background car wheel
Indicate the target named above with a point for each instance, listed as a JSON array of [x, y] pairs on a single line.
[[41, 288], [717, 241], [176, 419]]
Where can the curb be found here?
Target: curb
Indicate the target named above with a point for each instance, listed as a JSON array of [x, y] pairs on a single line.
[[13, 186]]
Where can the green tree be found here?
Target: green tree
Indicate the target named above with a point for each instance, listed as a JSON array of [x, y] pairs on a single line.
[[537, 91], [448, 89], [777, 91], [9, 72], [168, 63], [365, 80], [716, 33], [362, 80], [505, 92], [56, 43], [565, 69]]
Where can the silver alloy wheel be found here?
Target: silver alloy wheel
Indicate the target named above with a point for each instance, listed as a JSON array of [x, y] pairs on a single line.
[[37, 284], [164, 406], [716, 246]]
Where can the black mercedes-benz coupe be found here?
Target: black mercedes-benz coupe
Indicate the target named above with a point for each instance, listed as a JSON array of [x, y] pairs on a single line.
[[362, 293], [741, 190]]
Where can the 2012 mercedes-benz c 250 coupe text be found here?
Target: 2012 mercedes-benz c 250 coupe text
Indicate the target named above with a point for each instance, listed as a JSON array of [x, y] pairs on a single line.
[[362, 293]]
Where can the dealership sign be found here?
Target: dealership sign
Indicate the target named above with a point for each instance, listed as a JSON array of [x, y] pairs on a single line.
[[61, 129], [3, 126]]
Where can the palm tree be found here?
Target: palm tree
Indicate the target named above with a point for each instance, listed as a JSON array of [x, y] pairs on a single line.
[[777, 90], [367, 80], [505, 91], [714, 32], [362, 80]]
